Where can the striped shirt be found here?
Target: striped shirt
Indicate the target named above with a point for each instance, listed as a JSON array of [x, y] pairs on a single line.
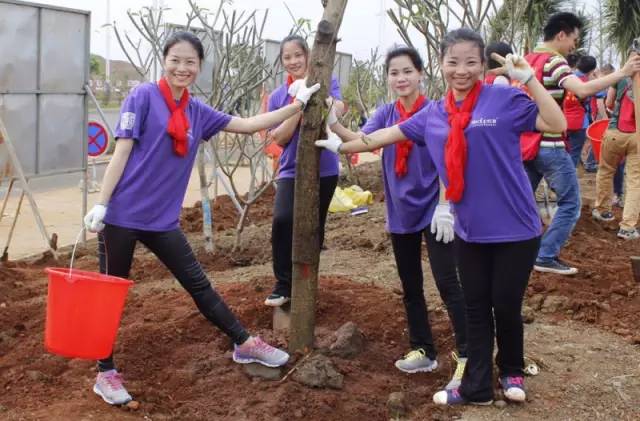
[[555, 71]]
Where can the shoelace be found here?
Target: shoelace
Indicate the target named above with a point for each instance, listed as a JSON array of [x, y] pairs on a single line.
[[515, 381], [415, 354], [114, 381], [459, 366]]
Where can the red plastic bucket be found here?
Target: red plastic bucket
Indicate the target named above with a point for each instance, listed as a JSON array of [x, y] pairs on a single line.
[[595, 133], [83, 312]]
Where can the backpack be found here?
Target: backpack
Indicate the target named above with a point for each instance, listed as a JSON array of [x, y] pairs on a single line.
[[574, 109], [626, 113], [530, 141]]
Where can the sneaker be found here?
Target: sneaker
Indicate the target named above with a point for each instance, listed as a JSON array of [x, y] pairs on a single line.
[[513, 388], [453, 397], [276, 300], [628, 234], [255, 350], [555, 266], [416, 361], [461, 363], [110, 388], [618, 201], [605, 216]]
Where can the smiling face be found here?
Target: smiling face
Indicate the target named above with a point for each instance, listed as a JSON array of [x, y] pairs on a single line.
[[403, 77], [181, 66], [462, 66], [294, 59]]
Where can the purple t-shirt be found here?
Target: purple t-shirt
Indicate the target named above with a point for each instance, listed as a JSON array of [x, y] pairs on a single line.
[[498, 203], [411, 199], [328, 160], [151, 190]]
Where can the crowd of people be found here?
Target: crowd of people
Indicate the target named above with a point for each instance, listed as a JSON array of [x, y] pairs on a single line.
[[459, 171]]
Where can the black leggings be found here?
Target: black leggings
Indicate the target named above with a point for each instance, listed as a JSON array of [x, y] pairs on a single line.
[[282, 228], [172, 248], [494, 278], [407, 249]]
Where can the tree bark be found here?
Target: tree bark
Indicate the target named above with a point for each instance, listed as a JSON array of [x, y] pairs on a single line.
[[306, 219]]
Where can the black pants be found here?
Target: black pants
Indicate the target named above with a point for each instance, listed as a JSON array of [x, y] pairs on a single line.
[[282, 228], [407, 249], [173, 250], [494, 278]]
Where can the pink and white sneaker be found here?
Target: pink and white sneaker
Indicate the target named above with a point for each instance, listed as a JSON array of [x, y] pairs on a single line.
[[255, 350], [110, 388]]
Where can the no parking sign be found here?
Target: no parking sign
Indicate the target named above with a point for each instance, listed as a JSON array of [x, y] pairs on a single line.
[[98, 139]]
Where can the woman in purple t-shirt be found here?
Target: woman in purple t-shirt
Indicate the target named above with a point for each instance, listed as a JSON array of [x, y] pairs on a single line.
[[144, 185], [411, 188], [473, 137], [294, 56]]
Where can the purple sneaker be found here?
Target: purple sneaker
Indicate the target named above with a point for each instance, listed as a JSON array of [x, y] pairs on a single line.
[[513, 387], [255, 350], [453, 397], [110, 388]]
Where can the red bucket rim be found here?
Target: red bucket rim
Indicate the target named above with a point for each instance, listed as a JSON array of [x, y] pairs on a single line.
[[595, 126], [86, 275]]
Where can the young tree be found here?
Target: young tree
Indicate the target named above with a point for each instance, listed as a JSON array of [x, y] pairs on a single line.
[[306, 235]]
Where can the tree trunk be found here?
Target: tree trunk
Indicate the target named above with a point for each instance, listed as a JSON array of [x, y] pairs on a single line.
[[306, 219]]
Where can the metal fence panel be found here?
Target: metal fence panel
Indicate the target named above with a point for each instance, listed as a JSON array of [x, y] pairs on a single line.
[[62, 50], [19, 113], [18, 46], [43, 71], [61, 123]]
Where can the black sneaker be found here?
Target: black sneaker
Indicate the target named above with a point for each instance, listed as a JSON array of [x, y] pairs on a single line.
[[276, 300], [605, 216], [555, 266]]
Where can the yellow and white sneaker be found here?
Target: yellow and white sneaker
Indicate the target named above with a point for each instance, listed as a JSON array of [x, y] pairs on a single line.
[[416, 361], [461, 363]]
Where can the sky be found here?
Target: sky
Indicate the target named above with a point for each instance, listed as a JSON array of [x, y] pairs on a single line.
[[365, 24]]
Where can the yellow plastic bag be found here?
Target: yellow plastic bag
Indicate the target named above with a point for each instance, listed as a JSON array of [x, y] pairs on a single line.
[[349, 198]]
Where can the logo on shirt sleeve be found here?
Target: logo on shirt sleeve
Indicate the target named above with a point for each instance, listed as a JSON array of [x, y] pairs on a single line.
[[127, 120]]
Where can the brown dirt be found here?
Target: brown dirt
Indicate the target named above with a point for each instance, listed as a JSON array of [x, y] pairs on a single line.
[[180, 368]]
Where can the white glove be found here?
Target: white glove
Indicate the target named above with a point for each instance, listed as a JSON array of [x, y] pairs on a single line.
[[333, 143], [442, 223], [518, 68], [299, 90], [93, 219], [332, 118]]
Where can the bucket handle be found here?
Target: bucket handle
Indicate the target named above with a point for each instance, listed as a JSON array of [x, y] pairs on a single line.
[[73, 254]]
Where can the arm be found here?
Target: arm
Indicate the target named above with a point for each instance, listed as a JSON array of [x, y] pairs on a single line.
[[585, 89], [610, 102], [283, 133], [550, 117], [114, 170], [263, 121], [375, 140]]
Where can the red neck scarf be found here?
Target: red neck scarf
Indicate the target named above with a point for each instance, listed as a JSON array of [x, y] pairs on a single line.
[[403, 148], [455, 150], [178, 124]]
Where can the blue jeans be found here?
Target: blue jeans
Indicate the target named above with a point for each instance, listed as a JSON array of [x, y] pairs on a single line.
[[591, 164], [576, 143], [556, 166], [618, 180]]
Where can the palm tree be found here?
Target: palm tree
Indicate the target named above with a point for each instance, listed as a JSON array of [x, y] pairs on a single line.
[[520, 22], [622, 19]]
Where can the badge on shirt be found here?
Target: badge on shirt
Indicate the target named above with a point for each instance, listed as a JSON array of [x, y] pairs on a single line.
[[127, 120]]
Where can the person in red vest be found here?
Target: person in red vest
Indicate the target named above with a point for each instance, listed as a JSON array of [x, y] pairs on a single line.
[[575, 109], [620, 142], [552, 161]]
